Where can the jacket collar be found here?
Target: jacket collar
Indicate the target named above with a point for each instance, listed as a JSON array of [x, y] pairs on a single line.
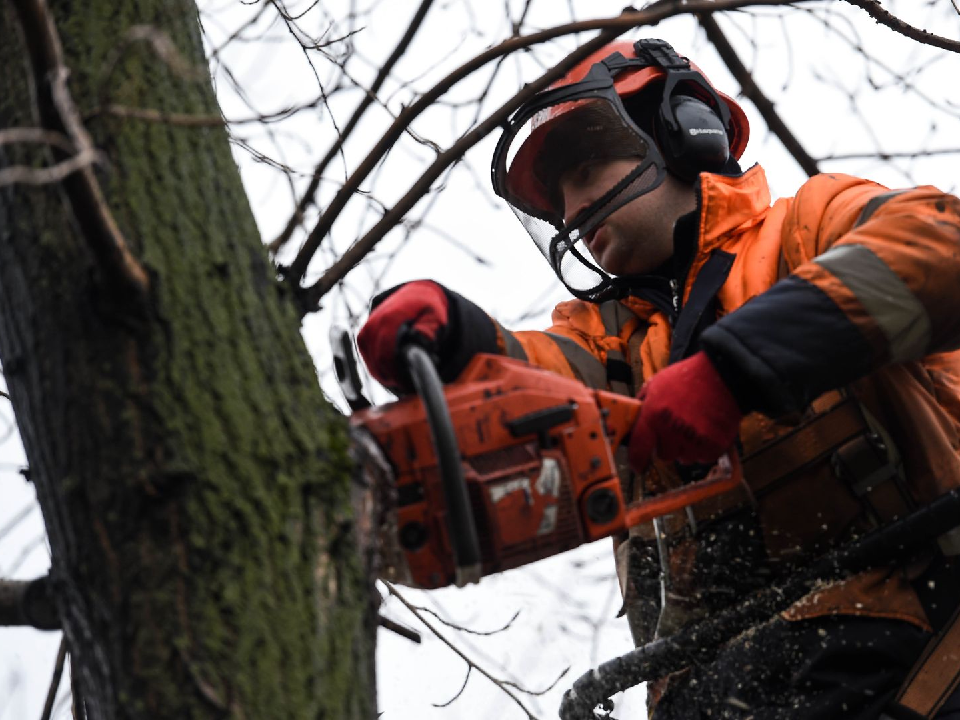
[[730, 204]]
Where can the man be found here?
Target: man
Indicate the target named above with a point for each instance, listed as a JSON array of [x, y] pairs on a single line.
[[816, 336]]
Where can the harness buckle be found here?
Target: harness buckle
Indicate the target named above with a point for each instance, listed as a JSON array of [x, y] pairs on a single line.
[[864, 465]]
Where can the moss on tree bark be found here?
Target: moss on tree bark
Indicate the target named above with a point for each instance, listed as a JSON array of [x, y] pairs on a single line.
[[195, 486]]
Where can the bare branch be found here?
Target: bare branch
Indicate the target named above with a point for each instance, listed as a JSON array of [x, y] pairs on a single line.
[[874, 10], [609, 28], [55, 680], [59, 113], [753, 92], [308, 196]]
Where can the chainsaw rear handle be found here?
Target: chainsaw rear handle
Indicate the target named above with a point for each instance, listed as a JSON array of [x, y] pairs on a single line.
[[461, 527]]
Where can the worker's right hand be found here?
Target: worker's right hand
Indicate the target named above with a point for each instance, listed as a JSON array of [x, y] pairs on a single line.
[[415, 312]]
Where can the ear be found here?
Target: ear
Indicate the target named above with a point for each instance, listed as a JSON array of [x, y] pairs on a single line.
[[700, 142]]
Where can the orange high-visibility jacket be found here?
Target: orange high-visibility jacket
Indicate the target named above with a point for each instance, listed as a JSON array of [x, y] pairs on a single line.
[[847, 284]]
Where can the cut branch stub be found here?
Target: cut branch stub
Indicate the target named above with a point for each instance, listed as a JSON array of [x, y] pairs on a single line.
[[28, 603]]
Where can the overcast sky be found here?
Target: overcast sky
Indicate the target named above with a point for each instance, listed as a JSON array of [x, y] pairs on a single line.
[[567, 605]]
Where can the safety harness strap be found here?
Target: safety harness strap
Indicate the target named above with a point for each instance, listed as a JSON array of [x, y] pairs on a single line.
[[588, 369], [512, 346], [700, 309], [786, 458], [614, 316], [935, 676], [838, 443]]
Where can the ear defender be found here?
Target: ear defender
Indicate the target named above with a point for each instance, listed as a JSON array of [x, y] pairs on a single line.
[[694, 140]]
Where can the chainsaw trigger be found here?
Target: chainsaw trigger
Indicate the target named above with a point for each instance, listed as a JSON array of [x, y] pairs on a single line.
[[540, 421]]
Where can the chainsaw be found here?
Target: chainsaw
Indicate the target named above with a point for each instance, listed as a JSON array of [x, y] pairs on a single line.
[[506, 465]]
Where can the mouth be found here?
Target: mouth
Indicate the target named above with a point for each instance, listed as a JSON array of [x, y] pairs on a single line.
[[591, 239]]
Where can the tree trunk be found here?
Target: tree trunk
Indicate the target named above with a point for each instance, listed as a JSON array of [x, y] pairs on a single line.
[[195, 487]]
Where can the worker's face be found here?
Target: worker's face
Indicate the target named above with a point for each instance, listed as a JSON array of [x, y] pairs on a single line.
[[638, 237]]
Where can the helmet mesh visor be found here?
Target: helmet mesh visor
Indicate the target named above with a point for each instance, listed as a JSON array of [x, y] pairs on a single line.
[[566, 249], [594, 131]]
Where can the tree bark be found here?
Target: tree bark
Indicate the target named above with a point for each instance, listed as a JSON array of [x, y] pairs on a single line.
[[196, 488]]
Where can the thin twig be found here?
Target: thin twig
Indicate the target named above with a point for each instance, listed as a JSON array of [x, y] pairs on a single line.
[[37, 136], [23, 175], [163, 47], [874, 10], [59, 113], [162, 116], [17, 519], [609, 28], [55, 680], [885, 155], [25, 551], [309, 194], [191, 120], [461, 628], [458, 693], [752, 91], [215, 54], [504, 685]]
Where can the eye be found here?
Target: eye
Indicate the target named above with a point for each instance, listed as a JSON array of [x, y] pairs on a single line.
[[584, 172], [578, 176]]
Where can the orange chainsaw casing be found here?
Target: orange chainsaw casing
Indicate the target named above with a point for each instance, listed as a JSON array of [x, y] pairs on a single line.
[[548, 486]]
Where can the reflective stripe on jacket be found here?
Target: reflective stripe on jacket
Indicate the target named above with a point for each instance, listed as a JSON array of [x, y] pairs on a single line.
[[845, 284]]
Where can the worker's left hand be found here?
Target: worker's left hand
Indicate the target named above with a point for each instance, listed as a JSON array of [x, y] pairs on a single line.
[[687, 414]]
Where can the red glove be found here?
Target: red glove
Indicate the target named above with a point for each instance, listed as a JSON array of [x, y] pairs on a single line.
[[687, 414], [418, 309]]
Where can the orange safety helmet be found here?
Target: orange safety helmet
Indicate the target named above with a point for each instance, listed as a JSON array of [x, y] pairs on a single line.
[[695, 128], [521, 180]]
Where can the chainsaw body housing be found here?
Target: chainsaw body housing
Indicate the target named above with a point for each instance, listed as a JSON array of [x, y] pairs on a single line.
[[537, 454]]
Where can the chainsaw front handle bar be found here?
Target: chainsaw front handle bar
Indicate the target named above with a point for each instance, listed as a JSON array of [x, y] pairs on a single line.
[[461, 527], [724, 476]]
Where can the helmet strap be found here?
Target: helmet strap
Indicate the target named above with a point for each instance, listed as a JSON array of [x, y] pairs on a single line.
[[591, 216]]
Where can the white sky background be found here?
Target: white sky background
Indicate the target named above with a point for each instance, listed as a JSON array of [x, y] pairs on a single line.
[[566, 604]]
